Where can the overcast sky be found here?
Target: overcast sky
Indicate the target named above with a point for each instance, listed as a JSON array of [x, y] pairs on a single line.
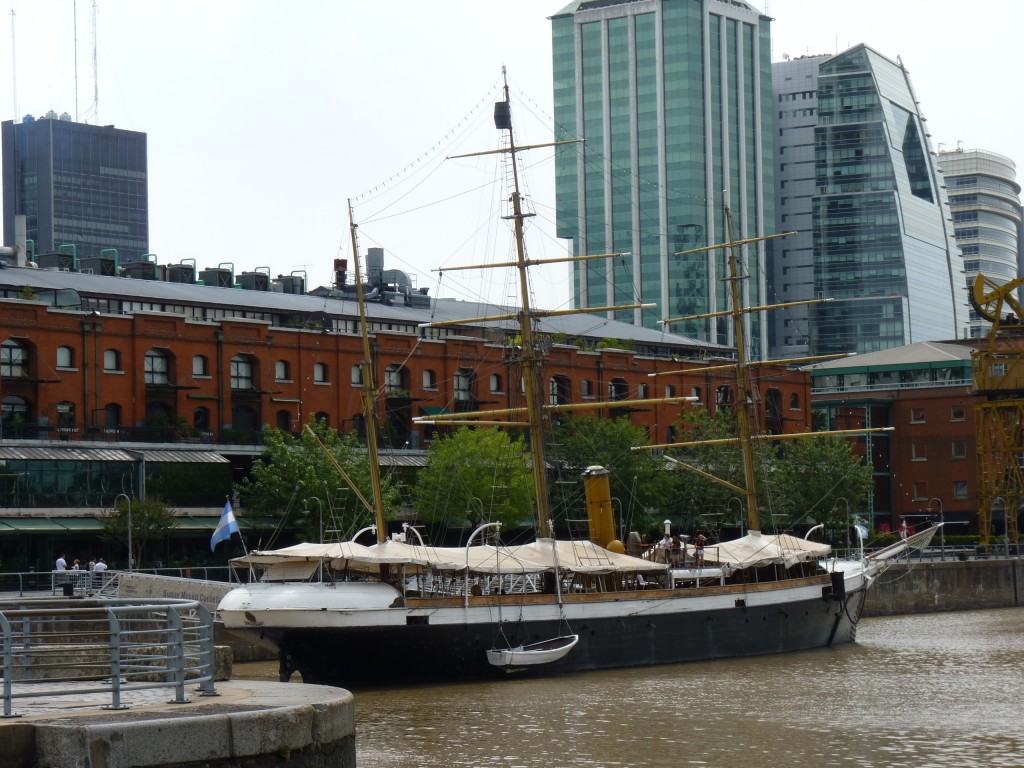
[[264, 117]]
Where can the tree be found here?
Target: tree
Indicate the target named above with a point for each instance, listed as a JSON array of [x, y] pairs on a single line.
[[637, 478], [815, 475], [295, 473], [479, 474], [151, 521], [703, 503], [798, 481]]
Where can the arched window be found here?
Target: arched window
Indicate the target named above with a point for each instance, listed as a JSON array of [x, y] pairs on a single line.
[[284, 420], [321, 374], [159, 415], [111, 360], [66, 415], [282, 371], [65, 357], [587, 389], [618, 389], [642, 391], [244, 418], [773, 411], [794, 402], [723, 395], [429, 380], [13, 360], [394, 380], [357, 376], [495, 384], [201, 419], [463, 385], [156, 367], [200, 366], [242, 373], [558, 390], [14, 411], [323, 418], [112, 416]]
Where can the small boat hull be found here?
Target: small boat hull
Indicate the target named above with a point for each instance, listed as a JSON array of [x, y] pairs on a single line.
[[534, 654]]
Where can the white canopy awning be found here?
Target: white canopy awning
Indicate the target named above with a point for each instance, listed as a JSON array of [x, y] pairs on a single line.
[[757, 549], [537, 557]]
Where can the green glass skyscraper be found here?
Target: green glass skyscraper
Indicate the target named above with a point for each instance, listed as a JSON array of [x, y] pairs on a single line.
[[672, 101]]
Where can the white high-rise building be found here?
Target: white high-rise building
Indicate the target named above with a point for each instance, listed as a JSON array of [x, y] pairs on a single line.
[[984, 198]]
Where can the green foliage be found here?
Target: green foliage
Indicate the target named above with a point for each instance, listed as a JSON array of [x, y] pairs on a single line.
[[295, 473], [479, 474], [799, 482], [637, 478], [611, 343], [151, 521], [701, 502], [27, 294], [816, 477]]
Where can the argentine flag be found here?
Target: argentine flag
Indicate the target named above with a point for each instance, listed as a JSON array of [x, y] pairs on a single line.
[[225, 527]]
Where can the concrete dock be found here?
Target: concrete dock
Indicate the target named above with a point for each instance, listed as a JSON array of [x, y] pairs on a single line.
[[249, 724]]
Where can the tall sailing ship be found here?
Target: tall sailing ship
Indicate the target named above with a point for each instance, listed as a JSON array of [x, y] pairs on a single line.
[[349, 614]]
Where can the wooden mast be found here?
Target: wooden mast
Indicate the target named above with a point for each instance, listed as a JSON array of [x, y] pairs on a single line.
[[368, 393], [742, 386], [531, 383]]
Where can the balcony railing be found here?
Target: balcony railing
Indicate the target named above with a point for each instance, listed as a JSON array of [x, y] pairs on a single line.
[[227, 436]]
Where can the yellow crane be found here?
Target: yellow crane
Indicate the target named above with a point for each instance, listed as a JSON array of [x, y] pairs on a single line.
[[999, 378]]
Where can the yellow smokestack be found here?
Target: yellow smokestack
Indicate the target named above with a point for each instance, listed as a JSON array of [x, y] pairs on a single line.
[[599, 507]]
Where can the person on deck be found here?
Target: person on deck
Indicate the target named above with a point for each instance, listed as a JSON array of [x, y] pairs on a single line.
[[676, 552], [664, 547], [698, 549]]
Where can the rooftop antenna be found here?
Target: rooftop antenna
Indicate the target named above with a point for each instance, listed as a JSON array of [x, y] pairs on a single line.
[[14, 66], [74, 18], [95, 65]]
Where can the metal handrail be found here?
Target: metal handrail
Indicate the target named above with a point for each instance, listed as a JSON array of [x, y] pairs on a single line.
[[89, 582], [55, 647]]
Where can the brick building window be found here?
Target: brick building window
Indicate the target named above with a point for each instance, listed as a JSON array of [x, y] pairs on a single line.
[[111, 360], [65, 357], [959, 449], [200, 366], [13, 360], [959, 489], [917, 415], [321, 375], [156, 367], [241, 373]]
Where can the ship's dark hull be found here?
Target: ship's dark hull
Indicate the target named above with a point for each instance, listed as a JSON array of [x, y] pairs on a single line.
[[356, 656]]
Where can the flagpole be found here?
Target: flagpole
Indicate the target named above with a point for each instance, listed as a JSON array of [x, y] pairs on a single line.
[[245, 549]]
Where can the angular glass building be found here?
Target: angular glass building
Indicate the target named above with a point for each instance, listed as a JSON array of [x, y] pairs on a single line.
[[672, 101], [883, 240], [76, 184]]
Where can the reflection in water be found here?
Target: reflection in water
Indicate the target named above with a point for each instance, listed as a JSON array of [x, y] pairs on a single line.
[[928, 690]]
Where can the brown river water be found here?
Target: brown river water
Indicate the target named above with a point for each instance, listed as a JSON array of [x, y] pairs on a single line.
[[925, 690]]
